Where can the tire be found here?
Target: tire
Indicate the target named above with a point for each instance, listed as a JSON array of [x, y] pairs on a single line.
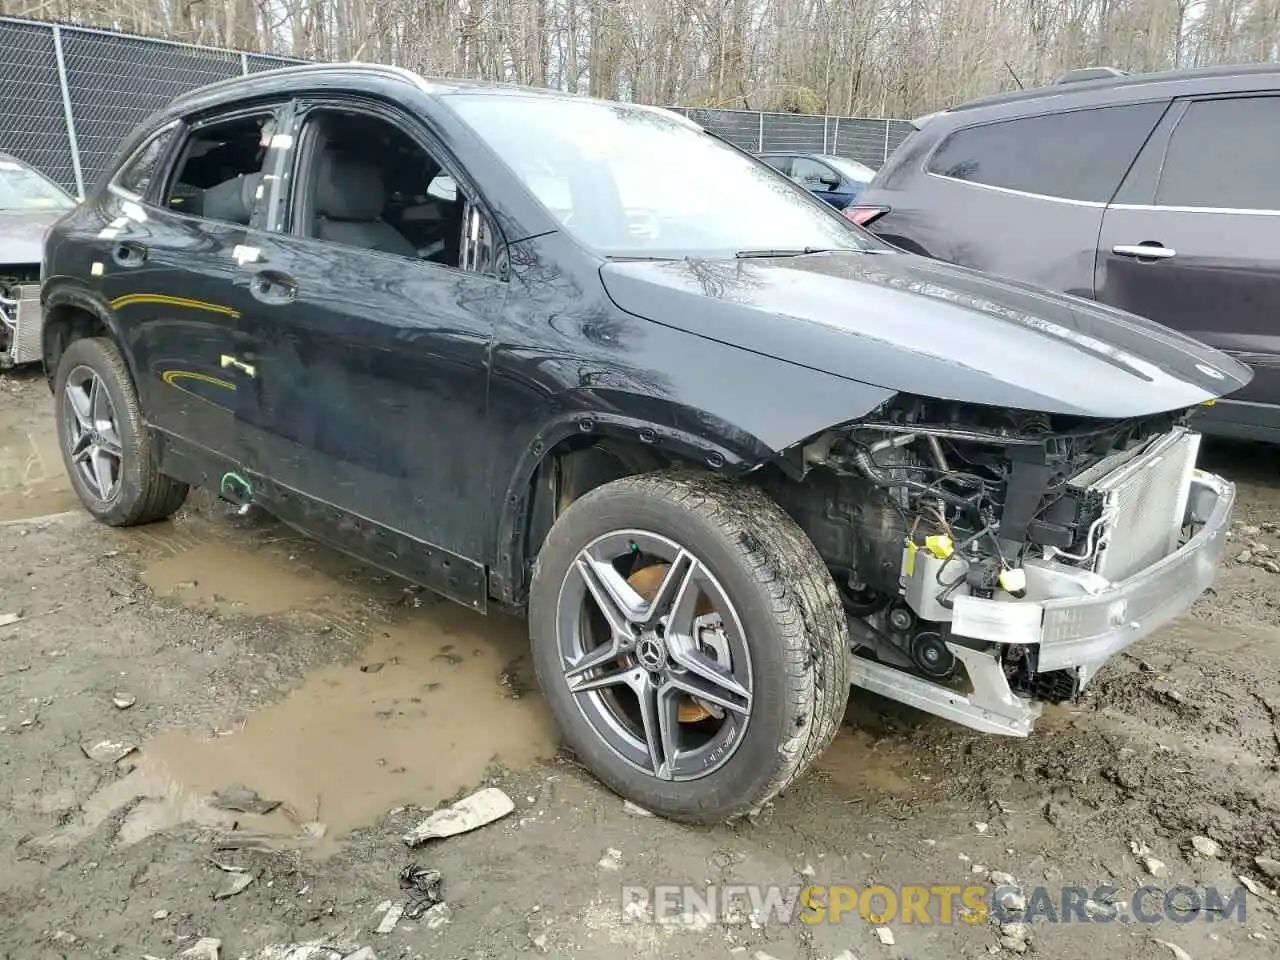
[[137, 492], [777, 588]]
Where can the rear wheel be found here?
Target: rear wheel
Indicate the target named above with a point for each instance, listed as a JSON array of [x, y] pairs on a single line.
[[107, 449], [690, 642]]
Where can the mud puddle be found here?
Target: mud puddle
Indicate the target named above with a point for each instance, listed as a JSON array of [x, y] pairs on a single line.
[[429, 706], [227, 580], [860, 765], [33, 481]]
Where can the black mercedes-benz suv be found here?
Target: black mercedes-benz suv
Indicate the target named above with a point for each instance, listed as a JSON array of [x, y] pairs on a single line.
[[729, 459], [1156, 193]]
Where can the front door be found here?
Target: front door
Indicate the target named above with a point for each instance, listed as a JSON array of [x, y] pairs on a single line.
[[369, 351], [1193, 241]]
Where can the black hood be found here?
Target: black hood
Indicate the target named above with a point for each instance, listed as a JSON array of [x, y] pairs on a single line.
[[924, 327]]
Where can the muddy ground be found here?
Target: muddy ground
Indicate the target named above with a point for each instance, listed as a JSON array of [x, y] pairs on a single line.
[[231, 651]]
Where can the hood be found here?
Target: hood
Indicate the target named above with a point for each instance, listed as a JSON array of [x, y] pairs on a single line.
[[920, 326], [22, 234]]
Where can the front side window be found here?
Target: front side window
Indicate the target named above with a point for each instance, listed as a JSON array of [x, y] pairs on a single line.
[[137, 174], [628, 181], [812, 174], [368, 184], [1225, 154], [219, 175], [22, 188], [1078, 155]]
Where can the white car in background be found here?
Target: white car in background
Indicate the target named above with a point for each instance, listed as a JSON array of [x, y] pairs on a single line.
[[29, 204]]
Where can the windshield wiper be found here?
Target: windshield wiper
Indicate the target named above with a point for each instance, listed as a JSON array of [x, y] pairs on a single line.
[[803, 251]]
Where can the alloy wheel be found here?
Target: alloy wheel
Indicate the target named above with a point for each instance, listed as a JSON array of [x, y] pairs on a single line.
[[655, 655], [97, 455]]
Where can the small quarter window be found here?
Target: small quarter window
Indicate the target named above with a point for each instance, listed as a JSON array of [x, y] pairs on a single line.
[[1078, 155], [136, 175]]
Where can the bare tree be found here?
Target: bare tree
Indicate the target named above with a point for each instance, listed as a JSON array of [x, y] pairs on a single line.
[[852, 57]]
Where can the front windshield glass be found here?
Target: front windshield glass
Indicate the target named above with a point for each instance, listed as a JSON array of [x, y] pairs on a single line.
[[21, 188], [629, 181], [852, 169]]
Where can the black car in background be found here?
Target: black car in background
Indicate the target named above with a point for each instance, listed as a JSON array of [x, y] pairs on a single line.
[[1156, 193]]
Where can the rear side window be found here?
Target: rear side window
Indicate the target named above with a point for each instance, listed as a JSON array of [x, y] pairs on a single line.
[[219, 175], [136, 175], [1224, 153], [1080, 155]]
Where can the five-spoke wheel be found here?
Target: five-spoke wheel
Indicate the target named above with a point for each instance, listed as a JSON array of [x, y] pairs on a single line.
[[689, 641], [96, 453], [654, 653]]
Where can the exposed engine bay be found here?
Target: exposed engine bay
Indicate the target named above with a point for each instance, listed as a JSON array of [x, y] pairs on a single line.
[[940, 520], [20, 319]]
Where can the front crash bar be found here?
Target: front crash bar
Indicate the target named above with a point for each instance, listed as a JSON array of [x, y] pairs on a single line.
[[1077, 633]]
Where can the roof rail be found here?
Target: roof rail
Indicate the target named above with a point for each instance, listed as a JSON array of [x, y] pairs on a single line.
[[1092, 73]]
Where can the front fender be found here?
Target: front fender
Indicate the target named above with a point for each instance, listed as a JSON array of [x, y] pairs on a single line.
[[732, 432]]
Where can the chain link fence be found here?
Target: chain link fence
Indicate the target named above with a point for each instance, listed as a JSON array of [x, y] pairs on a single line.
[[68, 95], [864, 139]]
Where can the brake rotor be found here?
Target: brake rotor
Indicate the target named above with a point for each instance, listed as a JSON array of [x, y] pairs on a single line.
[[646, 582]]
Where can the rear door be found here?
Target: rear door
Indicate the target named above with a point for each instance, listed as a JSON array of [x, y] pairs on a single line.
[[1022, 197], [1193, 239], [170, 267]]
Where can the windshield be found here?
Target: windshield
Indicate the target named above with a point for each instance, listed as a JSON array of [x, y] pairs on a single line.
[[628, 181], [851, 169], [21, 188]]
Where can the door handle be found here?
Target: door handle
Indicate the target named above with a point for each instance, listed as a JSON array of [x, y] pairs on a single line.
[[272, 287], [248, 369], [1147, 250], [129, 254]]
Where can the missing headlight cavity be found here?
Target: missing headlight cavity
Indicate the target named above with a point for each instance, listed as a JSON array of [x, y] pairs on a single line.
[[927, 502]]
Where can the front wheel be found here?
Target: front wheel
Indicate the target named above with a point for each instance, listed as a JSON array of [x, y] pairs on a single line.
[[690, 643]]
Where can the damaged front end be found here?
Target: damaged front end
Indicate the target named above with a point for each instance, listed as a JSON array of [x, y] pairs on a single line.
[[991, 560]]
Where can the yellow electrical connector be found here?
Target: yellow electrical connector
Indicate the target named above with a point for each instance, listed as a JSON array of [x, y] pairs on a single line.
[[939, 545], [1013, 581], [912, 550]]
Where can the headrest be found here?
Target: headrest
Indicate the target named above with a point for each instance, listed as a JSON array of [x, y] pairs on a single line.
[[349, 188], [232, 200]]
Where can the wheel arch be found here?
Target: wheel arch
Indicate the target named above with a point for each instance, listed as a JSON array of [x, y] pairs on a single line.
[[576, 453], [71, 313]]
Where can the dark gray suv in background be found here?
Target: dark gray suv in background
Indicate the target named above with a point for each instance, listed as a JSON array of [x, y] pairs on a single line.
[[1156, 193]]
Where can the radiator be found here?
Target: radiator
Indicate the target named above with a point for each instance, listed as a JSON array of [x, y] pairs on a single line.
[[1145, 500]]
